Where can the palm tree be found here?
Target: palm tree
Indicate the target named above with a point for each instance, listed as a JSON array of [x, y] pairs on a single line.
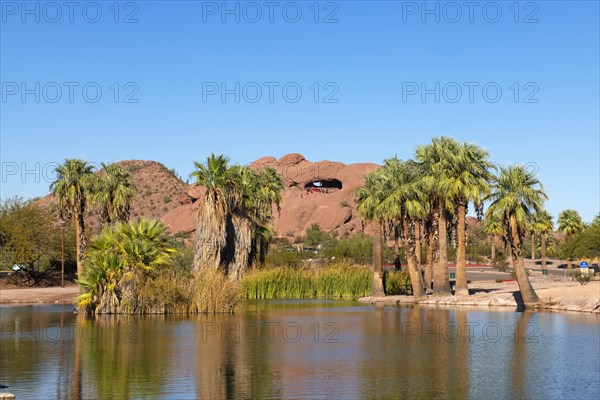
[[120, 257], [516, 194], [436, 159], [570, 223], [220, 181], [369, 197], [405, 200], [493, 228], [543, 225], [467, 180], [72, 185], [270, 185], [113, 193]]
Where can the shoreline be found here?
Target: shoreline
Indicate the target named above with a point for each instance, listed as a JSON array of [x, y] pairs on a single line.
[[46, 295], [555, 296]]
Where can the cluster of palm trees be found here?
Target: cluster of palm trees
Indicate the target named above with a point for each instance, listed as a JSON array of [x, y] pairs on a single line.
[[426, 200], [77, 187], [234, 223]]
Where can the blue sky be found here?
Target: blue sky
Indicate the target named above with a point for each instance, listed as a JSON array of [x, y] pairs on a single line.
[[390, 75]]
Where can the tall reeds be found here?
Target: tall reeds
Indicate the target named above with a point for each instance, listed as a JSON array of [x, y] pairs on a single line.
[[332, 281]]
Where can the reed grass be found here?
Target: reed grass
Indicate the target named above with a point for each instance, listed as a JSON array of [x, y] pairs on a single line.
[[333, 281], [397, 283]]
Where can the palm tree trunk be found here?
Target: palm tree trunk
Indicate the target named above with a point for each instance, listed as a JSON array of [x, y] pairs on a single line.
[[81, 240], [242, 248], [543, 239], [210, 233], [461, 270], [397, 263], [533, 246], [527, 293], [377, 289], [493, 247], [418, 243], [413, 269], [429, 262], [441, 283]]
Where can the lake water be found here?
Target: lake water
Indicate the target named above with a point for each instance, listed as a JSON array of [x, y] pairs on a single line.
[[301, 349]]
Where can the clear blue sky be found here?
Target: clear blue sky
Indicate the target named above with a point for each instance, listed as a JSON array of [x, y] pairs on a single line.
[[372, 61]]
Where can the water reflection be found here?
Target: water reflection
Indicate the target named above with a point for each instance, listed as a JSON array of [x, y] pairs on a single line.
[[300, 349]]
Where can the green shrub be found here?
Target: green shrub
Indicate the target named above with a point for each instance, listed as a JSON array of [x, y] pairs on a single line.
[[583, 279], [166, 199], [397, 282]]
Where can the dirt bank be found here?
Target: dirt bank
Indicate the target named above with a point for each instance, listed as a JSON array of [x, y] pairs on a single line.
[[55, 294], [565, 296]]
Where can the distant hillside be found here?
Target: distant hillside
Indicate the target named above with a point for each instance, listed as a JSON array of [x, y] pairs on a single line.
[[157, 189], [315, 192]]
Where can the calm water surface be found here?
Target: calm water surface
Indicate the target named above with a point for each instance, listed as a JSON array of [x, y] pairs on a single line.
[[301, 349]]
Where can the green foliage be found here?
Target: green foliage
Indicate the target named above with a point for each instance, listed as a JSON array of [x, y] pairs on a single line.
[[397, 283], [580, 277], [316, 236], [333, 281], [166, 199], [500, 262], [29, 236], [582, 245]]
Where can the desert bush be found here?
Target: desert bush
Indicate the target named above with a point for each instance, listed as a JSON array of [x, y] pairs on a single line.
[[580, 277]]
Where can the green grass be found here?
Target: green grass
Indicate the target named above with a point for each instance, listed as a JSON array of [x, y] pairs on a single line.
[[333, 281]]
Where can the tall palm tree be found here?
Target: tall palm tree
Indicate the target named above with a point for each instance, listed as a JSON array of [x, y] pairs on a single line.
[[570, 223], [220, 181], [436, 159], [369, 197], [516, 193], [543, 224], [405, 200], [113, 193], [72, 187], [493, 228], [270, 185], [467, 180]]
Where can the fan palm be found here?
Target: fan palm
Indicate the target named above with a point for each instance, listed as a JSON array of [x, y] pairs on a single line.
[[543, 225], [369, 197], [570, 222], [72, 188], [405, 201], [436, 160], [220, 181], [119, 257], [493, 228], [517, 193], [113, 193], [467, 180]]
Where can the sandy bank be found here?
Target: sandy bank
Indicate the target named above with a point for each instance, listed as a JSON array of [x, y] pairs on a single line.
[[39, 295], [565, 296]]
